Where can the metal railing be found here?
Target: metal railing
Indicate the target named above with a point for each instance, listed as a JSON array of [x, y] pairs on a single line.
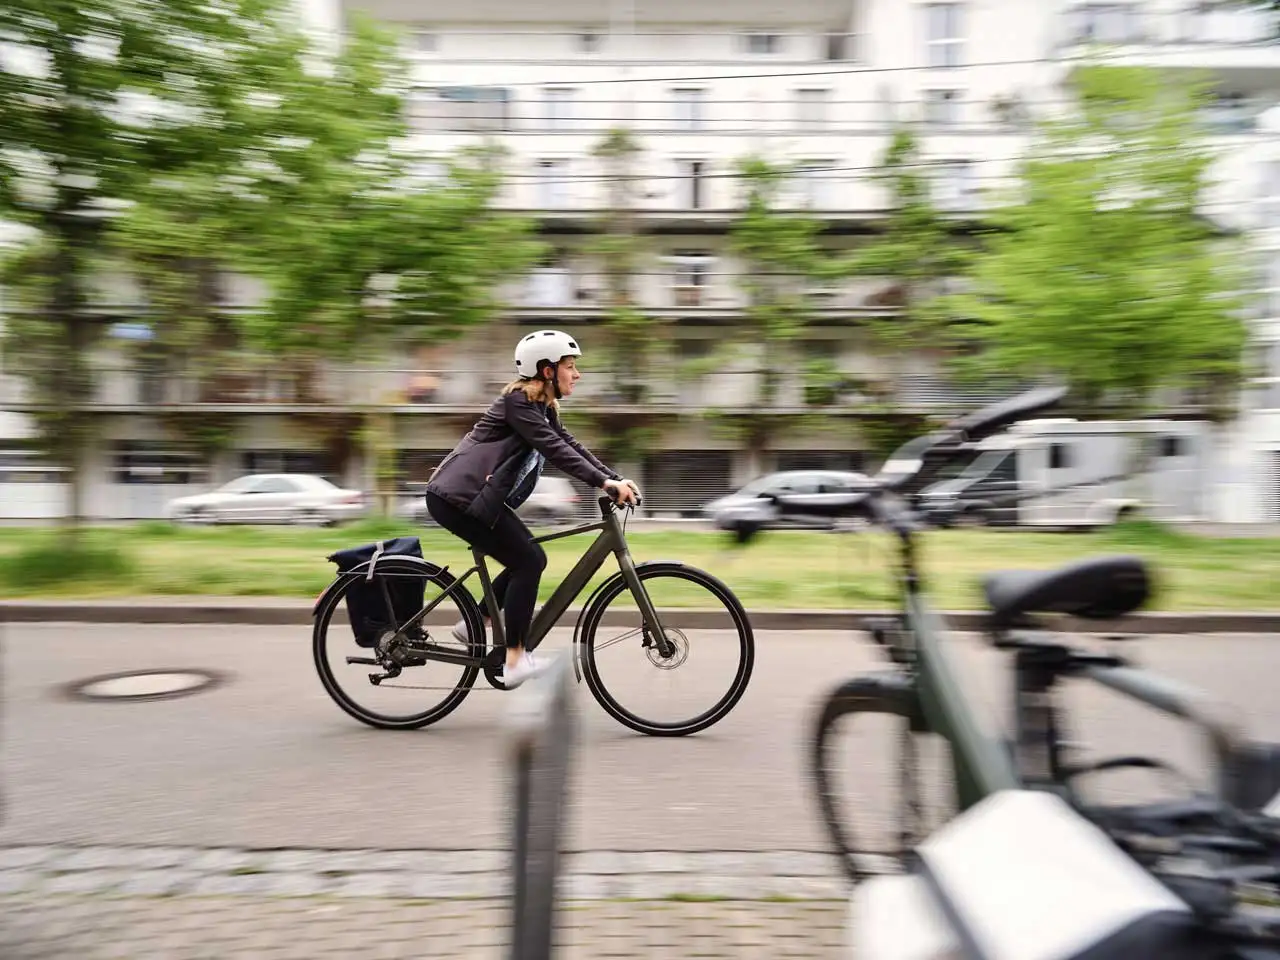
[[765, 47], [665, 388], [543, 735], [1196, 25]]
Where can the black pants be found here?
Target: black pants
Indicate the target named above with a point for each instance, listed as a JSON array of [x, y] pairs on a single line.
[[511, 544]]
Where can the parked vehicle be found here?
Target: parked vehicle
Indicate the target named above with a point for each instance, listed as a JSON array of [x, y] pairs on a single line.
[[1069, 473], [751, 505], [553, 501], [271, 498]]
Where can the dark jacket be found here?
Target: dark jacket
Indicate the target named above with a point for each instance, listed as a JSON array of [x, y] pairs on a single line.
[[479, 475]]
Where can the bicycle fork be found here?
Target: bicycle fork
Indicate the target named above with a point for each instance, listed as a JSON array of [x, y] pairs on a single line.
[[654, 634]]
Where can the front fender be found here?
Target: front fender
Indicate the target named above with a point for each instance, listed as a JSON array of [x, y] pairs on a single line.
[[362, 569]]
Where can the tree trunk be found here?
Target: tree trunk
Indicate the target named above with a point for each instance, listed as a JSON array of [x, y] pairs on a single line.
[[70, 382]]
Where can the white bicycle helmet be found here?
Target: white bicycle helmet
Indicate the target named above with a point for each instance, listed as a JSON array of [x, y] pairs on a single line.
[[543, 348]]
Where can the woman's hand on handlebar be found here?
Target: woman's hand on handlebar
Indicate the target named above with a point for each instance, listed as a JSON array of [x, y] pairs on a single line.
[[622, 491]]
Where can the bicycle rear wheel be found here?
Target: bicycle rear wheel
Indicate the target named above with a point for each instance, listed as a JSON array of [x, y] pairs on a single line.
[[419, 691], [709, 630]]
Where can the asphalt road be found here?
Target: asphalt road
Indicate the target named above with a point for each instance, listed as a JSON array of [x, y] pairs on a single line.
[[267, 760]]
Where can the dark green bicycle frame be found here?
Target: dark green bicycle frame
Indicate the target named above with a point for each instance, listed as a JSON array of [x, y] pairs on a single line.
[[934, 701], [981, 764], [611, 540]]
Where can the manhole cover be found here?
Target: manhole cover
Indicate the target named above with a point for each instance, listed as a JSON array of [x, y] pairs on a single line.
[[144, 685]]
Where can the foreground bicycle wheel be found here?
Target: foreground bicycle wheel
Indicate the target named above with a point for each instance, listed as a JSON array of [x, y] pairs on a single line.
[[422, 691], [714, 650]]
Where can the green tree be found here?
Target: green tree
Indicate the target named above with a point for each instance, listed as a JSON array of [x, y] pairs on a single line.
[[781, 256], [96, 97], [1104, 272], [189, 223], [633, 334], [917, 246]]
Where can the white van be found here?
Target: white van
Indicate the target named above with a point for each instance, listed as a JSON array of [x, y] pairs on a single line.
[[1069, 473]]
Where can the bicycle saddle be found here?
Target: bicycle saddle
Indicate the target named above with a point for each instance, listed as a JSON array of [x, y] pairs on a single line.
[[1099, 588]]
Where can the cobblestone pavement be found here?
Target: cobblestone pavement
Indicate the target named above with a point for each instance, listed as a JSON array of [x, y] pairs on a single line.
[[197, 928], [186, 903]]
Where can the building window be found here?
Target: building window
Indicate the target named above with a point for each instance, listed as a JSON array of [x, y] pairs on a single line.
[[955, 185], [942, 107], [588, 41], [1271, 302], [689, 108], [20, 462], [945, 33], [1270, 194], [762, 43], [558, 107], [1106, 23], [838, 46], [816, 184], [460, 109], [1268, 384], [553, 184], [551, 284], [811, 109], [690, 277], [290, 461], [692, 185], [148, 461]]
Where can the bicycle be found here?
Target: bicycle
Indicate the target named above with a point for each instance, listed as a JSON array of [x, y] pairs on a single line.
[[406, 642], [921, 689]]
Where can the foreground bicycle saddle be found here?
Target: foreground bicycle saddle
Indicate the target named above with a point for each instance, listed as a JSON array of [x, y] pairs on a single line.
[[1099, 588]]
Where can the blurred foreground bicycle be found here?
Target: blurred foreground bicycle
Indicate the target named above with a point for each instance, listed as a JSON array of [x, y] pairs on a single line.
[[923, 692]]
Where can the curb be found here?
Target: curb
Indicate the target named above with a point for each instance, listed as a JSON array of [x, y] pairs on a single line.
[[235, 611]]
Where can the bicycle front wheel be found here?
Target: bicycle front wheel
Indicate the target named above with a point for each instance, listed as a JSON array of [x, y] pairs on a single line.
[[713, 650]]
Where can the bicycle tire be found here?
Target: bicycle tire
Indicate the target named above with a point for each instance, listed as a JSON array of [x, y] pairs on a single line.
[[609, 591], [888, 694], [393, 566]]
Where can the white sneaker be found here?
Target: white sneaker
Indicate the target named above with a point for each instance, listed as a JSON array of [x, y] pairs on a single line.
[[526, 667], [461, 633]]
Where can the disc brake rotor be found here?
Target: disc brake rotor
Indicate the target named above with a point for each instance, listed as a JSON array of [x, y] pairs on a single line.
[[678, 656]]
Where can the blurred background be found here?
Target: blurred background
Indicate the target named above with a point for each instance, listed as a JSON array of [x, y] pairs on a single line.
[[264, 262], [786, 242]]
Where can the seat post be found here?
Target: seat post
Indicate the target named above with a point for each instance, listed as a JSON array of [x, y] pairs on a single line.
[[1037, 668]]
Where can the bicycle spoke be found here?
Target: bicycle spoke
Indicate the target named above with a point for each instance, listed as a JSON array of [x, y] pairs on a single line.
[[638, 631]]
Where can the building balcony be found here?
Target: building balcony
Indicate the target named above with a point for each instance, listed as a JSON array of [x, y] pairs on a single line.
[[453, 111], [667, 390], [522, 40], [1239, 43], [699, 295]]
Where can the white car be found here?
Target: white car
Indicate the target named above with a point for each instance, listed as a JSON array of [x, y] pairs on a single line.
[[271, 498], [553, 501]]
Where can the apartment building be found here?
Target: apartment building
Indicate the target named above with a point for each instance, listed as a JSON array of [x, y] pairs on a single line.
[[699, 86]]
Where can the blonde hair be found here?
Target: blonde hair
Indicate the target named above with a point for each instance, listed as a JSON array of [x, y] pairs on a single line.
[[538, 391]]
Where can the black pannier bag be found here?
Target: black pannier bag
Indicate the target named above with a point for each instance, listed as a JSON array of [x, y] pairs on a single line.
[[366, 603]]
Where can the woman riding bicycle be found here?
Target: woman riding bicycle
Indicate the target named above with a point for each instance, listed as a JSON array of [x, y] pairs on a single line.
[[475, 491]]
